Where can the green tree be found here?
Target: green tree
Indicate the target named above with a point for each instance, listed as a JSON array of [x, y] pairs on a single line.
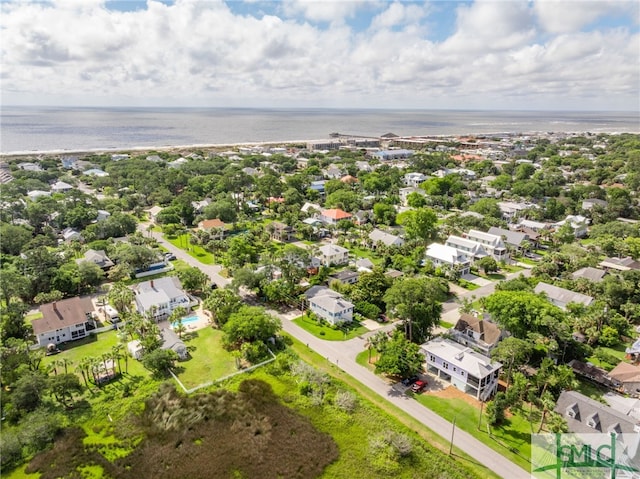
[[384, 213], [415, 301], [62, 386], [419, 224], [221, 303], [488, 264], [487, 207], [28, 391], [193, 279], [249, 324], [159, 361], [120, 297], [399, 357]]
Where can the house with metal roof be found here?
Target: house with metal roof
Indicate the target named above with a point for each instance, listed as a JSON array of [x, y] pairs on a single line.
[[443, 255], [466, 369], [561, 297], [329, 305], [159, 297], [378, 236]]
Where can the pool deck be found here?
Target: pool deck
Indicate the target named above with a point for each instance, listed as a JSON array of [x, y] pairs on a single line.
[[200, 323]]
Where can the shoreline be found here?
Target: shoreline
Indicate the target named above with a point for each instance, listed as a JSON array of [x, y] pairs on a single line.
[[105, 150]]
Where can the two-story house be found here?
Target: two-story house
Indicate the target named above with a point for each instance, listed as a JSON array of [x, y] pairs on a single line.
[[159, 297], [63, 321], [493, 244], [443, 255], [331, 254], [467, 370], [329, 305], [561, 297], [332, 216], [476, 333]]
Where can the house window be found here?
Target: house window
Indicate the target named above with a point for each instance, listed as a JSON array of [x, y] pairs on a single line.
[[445, 365], [432, 358], [455, 370]]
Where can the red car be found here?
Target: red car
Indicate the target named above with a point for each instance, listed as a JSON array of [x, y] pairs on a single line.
[[418, 386]]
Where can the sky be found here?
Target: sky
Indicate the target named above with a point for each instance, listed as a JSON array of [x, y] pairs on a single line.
[[496, 55]]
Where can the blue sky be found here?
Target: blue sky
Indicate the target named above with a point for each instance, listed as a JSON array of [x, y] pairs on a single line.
[[529, 54]]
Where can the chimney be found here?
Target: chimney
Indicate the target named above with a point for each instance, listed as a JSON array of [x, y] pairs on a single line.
[[55, 306], [151, 284]]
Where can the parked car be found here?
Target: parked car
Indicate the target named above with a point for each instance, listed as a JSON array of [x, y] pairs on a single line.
[[409, 381], [418, 386], [170, 257]]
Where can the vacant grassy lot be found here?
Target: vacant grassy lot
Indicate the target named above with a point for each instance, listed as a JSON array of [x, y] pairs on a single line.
[[196, 251], [327, 332], [209, 360], [512, 439]]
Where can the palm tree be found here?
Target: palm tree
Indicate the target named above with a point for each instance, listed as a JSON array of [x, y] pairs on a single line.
[[547, 402], [121, 297], [116, 355], [65, 362], [81, 368]]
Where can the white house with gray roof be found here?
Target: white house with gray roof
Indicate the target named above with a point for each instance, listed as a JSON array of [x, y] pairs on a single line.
[[443, 255], [331, 254], [467, 370], [159, 297], [561, 297], [378, 236], [513, 239], [329, 305]]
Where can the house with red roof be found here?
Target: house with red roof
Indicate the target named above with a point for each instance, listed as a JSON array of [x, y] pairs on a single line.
[[332, 216]]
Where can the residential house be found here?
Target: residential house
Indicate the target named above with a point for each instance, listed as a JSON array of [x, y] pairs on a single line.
[[578, 223], [493, 244], [170, 340], [511, 210], [62, 321], [586, 415], [590, 203], [199, 206], [591, 372], [318, 186], [476, 333], [467, 247], [98, 257], [153, 213], [159, 297], [331, 255], [362, 217], [346, 276], [71, 234], [61, 187], [69, 162], [405, 192], [35, 194], [28, 166], [627, 377], [561, 297], [324, 145], [135, 349], [333, 216], [177, 163], [102, 215], [349, 179], [443, 255], [467, 370], [592, 274], [363, 166], [119, 156], [378, 236], [515, 240], [279, 231], [216, 227], [311, 208], [329, 305], [332, 172], [536, 226], [95, 172], [414, 179], [364, 265], [620, 264]]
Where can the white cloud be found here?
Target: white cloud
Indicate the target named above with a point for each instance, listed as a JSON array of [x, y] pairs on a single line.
[[323, 10], [202, 53], [571, 15]]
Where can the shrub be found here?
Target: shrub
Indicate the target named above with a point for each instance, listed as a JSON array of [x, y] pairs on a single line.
[[10, 448], [346, 401]]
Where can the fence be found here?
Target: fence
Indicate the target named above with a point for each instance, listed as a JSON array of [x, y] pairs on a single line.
[[224, 378]]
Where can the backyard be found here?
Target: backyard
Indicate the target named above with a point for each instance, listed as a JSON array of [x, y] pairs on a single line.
[[325, 331], [209, 361]]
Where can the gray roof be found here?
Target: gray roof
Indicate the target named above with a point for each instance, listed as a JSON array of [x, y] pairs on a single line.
[[344, 275], [170, 340], [331, 303], [386, 238], [456, 354], [314, 291], [514, 238], [562, 295], [584, 409], [592, 274]]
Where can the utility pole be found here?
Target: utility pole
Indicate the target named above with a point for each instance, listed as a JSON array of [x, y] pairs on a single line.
[[453, 430]]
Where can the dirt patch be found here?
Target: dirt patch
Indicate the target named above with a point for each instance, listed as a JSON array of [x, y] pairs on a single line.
[[451, 392]]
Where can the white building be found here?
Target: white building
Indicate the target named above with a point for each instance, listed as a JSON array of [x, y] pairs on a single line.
[[329, 305], [63, 321], [561, 297], [442, 255], [493, 244], [331, 254], [414, 179], [467, 370], [378, 236], [160, 297]]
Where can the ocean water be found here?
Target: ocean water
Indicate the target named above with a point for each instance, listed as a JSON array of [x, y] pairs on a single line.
[[33, 129]]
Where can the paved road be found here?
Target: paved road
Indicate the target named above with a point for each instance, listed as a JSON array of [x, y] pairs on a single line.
[[343, 355]]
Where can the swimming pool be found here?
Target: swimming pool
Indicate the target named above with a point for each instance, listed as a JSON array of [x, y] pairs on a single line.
[[187, 320]]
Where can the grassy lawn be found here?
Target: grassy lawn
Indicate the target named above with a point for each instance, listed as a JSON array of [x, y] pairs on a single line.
[[196, 251], [512, 439], [363, 359], [590, 389], [509, 268], [468, 285], [388, 410], [209, 360], [617, 352], [30, 317], [328, 333], [494, 276], [444, 324], [528, 261]]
